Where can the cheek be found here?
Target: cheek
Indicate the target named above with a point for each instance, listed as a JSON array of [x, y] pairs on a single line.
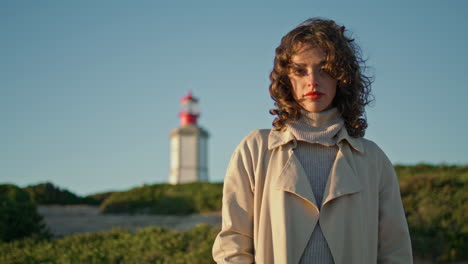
[[332, 86], [295, 86]]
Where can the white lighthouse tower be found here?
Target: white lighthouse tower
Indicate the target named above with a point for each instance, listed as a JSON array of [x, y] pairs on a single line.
[[189, 152]]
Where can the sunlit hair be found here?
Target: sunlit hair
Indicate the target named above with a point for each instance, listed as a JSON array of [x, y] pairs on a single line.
[[343, 63]]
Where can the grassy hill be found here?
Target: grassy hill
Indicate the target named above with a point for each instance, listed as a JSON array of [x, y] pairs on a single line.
[[179, 199], [435, 200], [434, 197], [47, 193]]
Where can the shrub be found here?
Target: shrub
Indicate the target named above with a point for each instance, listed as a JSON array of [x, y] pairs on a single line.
[[181, 199], [435, 205], [47, 193], [150, 245], [97, 199], [18, 214]]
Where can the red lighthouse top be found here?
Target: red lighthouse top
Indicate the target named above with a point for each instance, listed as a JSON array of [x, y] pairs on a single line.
[[189, 110]]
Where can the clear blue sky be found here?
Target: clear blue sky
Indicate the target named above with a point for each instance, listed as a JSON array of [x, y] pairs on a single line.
[[89, 90]]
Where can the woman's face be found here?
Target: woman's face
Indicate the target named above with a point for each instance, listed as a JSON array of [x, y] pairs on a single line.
[[312, 87]]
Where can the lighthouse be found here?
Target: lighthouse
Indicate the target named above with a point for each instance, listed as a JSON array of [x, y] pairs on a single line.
[[188, 145]]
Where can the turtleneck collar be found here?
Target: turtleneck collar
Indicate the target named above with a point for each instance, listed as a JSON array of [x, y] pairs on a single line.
[[320, 128]]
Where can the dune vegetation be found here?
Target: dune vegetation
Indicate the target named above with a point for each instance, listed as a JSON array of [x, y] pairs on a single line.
[[434, 198]]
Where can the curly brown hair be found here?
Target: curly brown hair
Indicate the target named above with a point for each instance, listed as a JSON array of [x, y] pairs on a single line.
[[343, 62]]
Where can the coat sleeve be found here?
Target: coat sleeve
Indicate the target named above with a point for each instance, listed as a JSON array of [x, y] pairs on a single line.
[[394, 245], [234, 243]]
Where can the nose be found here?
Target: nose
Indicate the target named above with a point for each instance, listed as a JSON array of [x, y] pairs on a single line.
[[313, 78]]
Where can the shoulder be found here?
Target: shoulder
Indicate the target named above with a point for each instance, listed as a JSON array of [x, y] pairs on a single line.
[[375, 155], [249, 150], [371, 149], [256, 139], [365, 150], [258, 134], [253, 145]]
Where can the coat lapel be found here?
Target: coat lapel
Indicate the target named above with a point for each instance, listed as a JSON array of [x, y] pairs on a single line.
[[294, 180], [296, 207], [292, 177], [343, 179]]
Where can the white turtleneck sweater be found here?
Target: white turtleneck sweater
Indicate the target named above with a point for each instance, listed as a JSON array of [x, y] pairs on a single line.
[[316, 150]]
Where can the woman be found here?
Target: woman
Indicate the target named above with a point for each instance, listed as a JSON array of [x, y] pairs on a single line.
[[312, 189]]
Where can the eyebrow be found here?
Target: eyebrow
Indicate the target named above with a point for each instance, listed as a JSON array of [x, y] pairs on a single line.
[[295, 64]]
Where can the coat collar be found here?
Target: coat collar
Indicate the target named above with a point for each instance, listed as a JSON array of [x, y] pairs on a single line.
[[343, 177], [278, 138]]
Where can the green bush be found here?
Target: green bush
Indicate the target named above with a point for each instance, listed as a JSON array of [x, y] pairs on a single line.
[[18, 214], [47, 193], [150, 245], [435, 198], [411, 171], [181, 199], [96, 199]]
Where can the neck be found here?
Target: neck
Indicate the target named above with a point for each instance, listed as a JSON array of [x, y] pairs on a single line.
[[319, 119], [321, 127]]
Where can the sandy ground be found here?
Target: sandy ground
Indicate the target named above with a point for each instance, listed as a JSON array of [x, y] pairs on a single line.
[[67, 220]]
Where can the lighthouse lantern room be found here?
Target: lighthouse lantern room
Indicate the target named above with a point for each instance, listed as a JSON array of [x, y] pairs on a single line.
[[188, 145]]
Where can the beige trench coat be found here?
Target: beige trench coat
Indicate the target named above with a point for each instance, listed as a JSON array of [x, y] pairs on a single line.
[[269, 210]]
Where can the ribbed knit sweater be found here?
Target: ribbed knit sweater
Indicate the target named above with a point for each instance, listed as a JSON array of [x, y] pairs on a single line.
[[316, 150]]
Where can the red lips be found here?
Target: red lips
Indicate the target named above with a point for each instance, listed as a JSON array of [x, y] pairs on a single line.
[[314, 95]]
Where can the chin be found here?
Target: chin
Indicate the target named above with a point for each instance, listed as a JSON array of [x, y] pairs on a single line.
[[316, 109]]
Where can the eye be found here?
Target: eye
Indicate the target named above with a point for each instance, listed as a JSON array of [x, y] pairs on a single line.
[[299, 71], [324, 69]]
